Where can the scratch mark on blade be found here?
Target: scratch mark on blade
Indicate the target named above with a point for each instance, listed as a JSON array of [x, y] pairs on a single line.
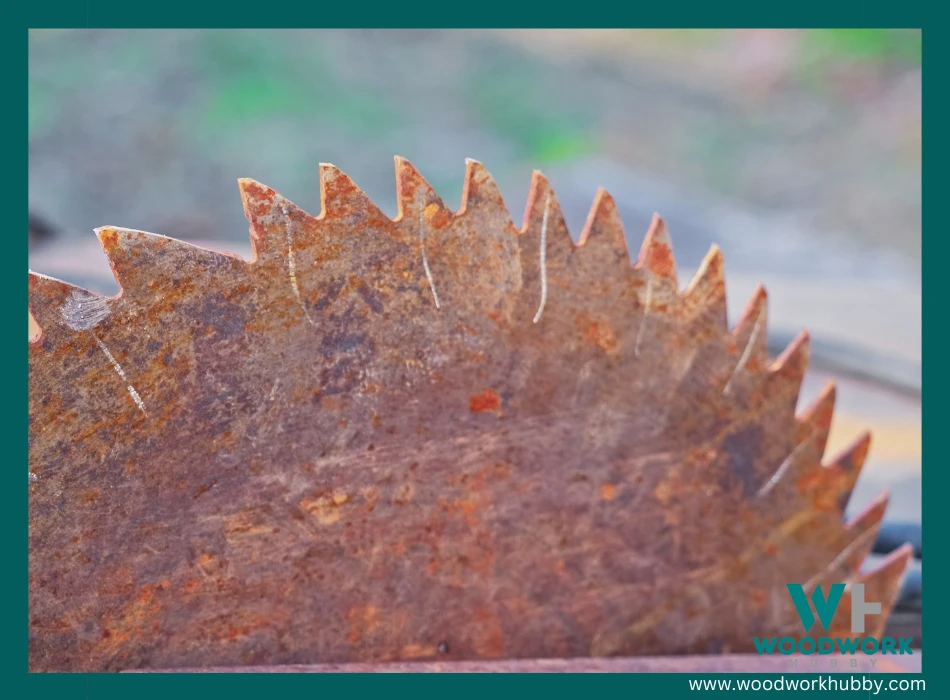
[[544, 258], [84, 310], [646, 312], [118, 369], [746, 354], [782, 468], [292, 267], [425, 260]]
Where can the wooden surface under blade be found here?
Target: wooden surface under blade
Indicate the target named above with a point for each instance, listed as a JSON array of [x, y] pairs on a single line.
[[730, 663], [437, 436]]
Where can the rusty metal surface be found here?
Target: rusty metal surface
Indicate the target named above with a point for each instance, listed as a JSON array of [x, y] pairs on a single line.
[[434, 437]]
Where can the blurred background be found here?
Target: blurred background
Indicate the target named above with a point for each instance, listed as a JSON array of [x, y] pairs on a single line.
[[797, 151]]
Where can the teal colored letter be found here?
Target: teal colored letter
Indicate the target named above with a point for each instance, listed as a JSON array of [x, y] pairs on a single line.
[[825, 607]]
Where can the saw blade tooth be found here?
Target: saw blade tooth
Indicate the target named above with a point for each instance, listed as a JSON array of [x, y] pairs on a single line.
[[604, 227], [135, 255], [751, 333], [871, 516], [480, 192], [545, 247], [54, 303], [341, 198], [267, 213], [786, 374], [414, 194], [829, 488], [818, 415], [706, 293], [132, 255], [657, 264], [842, 473], [858, 538], [543, 218]]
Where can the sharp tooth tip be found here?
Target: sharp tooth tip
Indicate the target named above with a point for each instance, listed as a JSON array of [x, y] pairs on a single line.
[[905, 551], [540, 182], [871, 515], [894, 560], [658, 234], [104, 233], [603, 200], [403, 163]]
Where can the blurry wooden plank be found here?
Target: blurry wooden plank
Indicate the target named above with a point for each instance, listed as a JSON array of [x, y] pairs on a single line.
[[735, 663]]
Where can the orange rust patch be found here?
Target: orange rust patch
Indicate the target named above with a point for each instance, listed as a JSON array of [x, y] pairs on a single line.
[[130, 620], [486, 402], [206, 563], [825, 485], [601, 335], [660, 260], [436, 216], [468, 510], [417, 651], [363, 620], [325, 508], [666, 489], [608, 492]]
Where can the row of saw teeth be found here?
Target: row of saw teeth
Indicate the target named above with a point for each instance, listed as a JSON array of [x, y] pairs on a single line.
[[543, 217], [50, 299], [417, 198]]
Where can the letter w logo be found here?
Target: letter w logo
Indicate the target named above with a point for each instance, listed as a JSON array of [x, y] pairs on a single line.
[[825, 607]]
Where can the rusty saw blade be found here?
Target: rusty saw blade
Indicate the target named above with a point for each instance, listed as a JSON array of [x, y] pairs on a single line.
[[434, 437]]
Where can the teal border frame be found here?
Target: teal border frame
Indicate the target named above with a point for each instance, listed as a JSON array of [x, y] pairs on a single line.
[[241, 13]]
